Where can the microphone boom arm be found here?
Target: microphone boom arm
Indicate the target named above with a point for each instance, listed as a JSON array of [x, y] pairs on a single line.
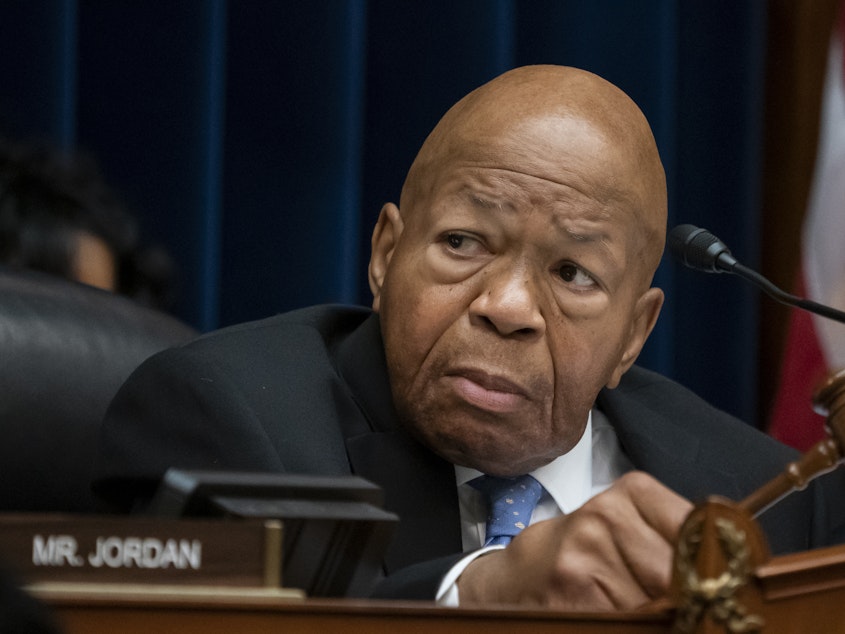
[[699, 249], [783, 297]]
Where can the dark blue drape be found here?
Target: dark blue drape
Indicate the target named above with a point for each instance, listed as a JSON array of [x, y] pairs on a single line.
[[258, 140]]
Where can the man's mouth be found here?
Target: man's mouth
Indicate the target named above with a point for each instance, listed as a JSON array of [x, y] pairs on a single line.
[[486, 391]]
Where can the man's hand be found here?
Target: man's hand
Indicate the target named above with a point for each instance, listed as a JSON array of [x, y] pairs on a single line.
[[614, 553]]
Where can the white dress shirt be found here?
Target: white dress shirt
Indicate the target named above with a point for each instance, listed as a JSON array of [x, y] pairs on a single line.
[[589, 468]]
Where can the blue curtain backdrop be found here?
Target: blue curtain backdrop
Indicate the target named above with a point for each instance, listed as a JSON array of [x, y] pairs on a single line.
[[258, 139]]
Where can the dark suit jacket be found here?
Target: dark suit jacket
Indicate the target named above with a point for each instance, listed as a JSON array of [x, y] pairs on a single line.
[[307, 392]]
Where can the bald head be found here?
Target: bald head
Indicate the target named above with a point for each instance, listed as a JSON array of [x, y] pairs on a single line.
[[535, 111]]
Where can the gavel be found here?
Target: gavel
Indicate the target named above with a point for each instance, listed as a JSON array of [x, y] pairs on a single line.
[[823, 457]]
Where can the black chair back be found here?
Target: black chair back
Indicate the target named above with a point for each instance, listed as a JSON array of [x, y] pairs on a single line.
[[65, 349]]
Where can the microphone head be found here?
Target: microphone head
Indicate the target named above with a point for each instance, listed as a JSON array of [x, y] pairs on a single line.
[[699, 249]]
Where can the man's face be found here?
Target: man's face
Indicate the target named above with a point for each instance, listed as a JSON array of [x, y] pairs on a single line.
[[512, 295]]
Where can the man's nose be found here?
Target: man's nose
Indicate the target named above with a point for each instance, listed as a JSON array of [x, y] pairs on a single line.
[[508, 300]]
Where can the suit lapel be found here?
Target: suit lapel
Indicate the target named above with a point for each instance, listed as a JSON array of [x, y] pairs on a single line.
[[418, 485], [668, 449]]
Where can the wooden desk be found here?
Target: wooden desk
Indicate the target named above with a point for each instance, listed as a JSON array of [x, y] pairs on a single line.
[[796, 590], [95, 612]]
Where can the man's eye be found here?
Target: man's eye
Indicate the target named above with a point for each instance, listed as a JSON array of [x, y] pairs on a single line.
[[573, 274], [463, 245], [455, 240]]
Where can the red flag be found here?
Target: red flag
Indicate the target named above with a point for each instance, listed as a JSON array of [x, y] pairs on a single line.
[[816, 345]]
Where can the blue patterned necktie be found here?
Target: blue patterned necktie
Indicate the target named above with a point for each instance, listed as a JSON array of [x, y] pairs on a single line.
[[511, 502]]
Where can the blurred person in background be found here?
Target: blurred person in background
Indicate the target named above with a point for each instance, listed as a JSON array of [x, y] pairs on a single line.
[[58, 215]]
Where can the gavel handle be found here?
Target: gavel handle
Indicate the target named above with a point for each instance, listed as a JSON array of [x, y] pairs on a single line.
[[822, 458], [825, 456]]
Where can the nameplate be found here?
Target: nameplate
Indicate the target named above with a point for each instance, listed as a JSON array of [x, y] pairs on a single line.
[[122, 549]]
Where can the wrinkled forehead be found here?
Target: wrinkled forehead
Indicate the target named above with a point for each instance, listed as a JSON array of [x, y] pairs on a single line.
[[567, 149]]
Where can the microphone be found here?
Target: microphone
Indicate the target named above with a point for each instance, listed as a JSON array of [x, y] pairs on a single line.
[[700, 250]]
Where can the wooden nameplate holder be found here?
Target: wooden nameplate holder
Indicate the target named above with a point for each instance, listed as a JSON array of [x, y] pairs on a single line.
[[724, 579], [116, 552]]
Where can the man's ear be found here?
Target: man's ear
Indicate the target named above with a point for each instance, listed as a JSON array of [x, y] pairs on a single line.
[[646, 312], [385, 237]]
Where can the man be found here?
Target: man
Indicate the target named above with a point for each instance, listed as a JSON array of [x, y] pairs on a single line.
[[511, 298]]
